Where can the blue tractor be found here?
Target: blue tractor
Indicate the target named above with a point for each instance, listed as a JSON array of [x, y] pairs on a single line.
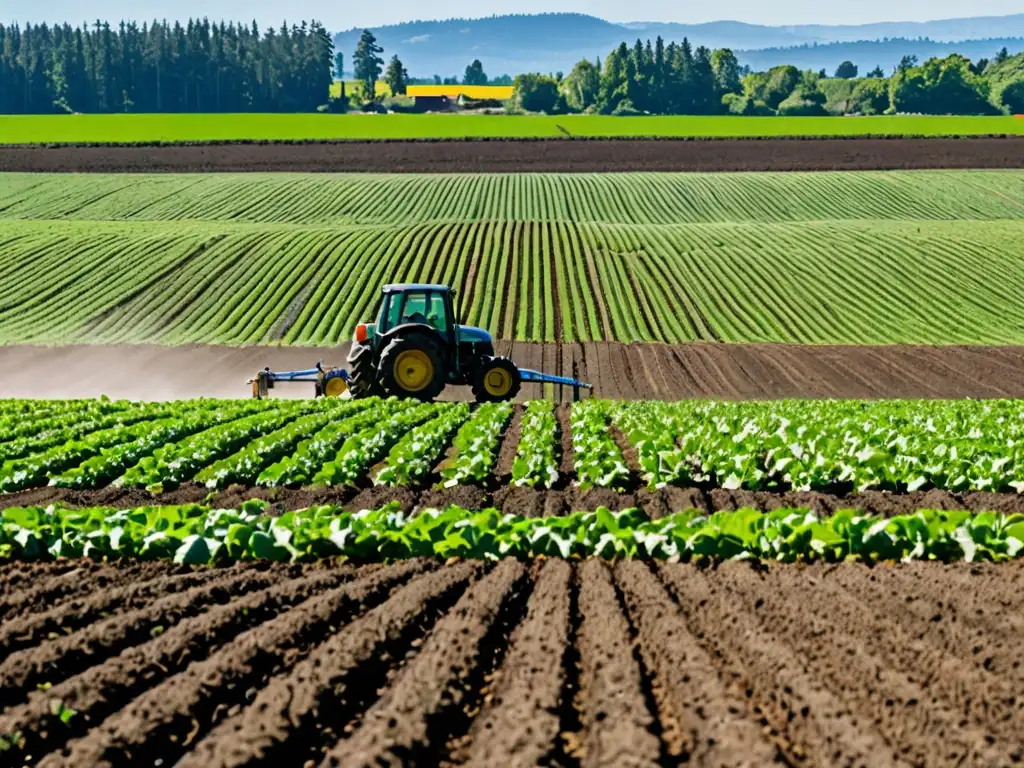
[[415, 348]]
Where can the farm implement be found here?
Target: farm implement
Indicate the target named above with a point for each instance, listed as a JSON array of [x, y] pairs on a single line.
[[415, 349]]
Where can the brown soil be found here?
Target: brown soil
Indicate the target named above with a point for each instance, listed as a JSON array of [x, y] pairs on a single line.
[[566, 465], [152, 372], [540, 503], [508, 448], [549, 155], [556, 663]]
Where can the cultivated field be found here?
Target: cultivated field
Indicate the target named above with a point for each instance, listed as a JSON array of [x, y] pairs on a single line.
[[543, 155], [528, 583], [824, 258], [567, 663], [530, 459], [76, 129]]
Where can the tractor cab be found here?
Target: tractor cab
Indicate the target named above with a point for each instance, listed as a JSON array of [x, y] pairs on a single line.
[[418, 305]]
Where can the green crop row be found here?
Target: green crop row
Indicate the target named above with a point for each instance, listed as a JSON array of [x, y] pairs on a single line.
[[814, 445], [199, 535], [829, 445], [821, 258]]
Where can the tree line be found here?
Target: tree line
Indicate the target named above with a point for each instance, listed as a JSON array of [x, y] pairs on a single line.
[[160, 67], [207, 67], [678, 79]]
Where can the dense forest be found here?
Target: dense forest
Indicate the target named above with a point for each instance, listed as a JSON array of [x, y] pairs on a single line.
[[678, 79], [159, 67]]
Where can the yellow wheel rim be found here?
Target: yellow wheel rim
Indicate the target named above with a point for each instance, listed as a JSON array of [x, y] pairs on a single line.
[[335, 387], [498, 382], [414, 370]]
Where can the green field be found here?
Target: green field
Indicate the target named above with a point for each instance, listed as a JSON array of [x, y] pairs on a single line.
[[929, 257], [32, 129]]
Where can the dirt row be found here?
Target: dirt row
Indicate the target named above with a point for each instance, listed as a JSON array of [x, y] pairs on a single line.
[[616, 370], [554, 662], [529, 502], [548, 155], [771, 371]]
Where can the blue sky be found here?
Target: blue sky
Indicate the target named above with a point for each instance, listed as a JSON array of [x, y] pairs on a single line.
[[338, 16]]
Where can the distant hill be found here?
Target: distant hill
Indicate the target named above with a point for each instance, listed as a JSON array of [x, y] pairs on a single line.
[[553, 42], [871, 53]]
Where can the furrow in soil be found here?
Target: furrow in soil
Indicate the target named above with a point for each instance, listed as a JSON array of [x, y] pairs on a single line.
[[163, 722], [304, 709], [414, 720], [520, 723]]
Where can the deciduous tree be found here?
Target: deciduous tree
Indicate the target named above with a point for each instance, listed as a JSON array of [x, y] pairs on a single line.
[[535, 92], [847, 70]]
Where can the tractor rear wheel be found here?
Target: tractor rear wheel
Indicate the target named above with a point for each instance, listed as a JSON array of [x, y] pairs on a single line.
[[363, 374], [411, 366], [496, 379]]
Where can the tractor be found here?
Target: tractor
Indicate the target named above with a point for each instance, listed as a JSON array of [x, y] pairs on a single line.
[[415, 348]]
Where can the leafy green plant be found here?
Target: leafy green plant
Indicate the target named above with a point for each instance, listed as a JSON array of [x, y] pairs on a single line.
[[306, 461], [197, 535], [535, 463], [175, 463], [247, 464], [413, 457], [360, 451], [476, 445], [821, 445], [597, 459]]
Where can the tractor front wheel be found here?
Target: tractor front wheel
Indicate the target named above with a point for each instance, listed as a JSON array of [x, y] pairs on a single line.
[[496, 379], [410, 366]]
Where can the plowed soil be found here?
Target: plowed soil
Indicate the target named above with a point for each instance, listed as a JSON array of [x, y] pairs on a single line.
[[548, 155], [616, 370], [549, 663], [529, 502]]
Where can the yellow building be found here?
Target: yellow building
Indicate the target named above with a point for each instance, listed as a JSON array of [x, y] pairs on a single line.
[[496, 92]]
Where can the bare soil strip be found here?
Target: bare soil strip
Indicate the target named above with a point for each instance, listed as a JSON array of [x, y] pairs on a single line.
[[511, 500], [888, 679], [618, 726], [26, 669], [415, 717], [153, 372], [162, 721], [520, 723], [565, 663], [551, 155]]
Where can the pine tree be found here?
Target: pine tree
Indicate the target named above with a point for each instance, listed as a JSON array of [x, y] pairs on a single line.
[[368, 63], [396, 77]]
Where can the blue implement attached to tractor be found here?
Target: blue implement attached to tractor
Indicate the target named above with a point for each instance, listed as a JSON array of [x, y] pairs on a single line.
[[415, 348]]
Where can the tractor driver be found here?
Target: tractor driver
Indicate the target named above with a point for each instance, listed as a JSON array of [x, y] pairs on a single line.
[[415, 317]]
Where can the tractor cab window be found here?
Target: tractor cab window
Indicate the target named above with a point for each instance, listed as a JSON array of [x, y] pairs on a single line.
[[426, 308], [415, 308], [392, 314], [437, 312]]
